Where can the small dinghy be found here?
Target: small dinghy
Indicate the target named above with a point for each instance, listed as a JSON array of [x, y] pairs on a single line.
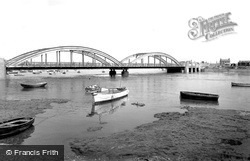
[[199, 96], [93, 89], [15, 126], [240, 84], [33, 85]]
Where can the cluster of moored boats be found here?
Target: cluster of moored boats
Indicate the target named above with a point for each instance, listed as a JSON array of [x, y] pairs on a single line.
[[108, 94], [100, 95]]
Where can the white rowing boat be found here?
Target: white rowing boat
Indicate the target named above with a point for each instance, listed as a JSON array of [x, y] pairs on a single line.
[[110, 94]]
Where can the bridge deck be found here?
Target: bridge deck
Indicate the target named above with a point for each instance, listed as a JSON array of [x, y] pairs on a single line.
[[91, 67]]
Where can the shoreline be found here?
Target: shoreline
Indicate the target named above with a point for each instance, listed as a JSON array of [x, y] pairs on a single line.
[[77, 73], [198, 134], [227, 70]]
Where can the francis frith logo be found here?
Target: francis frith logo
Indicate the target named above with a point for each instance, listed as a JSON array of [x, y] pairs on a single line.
[[211, 28]]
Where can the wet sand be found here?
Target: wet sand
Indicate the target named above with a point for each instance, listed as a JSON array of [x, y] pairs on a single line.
[[197, 134]]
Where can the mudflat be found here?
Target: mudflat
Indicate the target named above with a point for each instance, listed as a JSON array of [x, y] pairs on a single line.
[[10, 109], [197, 134]]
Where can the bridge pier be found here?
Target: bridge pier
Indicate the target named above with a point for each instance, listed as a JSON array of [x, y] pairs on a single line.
[[191, 68], [2, 69], [174, 70], [125, 73], [112, 72]]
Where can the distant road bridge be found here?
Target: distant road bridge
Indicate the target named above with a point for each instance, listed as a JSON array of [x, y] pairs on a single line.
[[78, 57]]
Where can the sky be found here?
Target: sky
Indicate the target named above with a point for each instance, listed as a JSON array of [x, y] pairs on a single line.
[[123, 27]]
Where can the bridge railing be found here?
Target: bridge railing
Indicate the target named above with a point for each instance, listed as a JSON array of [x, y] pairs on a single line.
[[148, 65], [65, 64], [89, 64]]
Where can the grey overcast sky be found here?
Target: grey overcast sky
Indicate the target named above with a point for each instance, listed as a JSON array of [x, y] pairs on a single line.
[[123, 27]]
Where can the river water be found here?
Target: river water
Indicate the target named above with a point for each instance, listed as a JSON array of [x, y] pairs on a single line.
[[159, 92]]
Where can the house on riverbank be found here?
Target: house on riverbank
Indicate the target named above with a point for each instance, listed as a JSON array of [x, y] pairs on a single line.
[[244, 63]]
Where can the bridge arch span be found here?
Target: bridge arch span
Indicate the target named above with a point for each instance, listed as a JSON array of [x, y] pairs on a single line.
[[157, 55], [90, 52]]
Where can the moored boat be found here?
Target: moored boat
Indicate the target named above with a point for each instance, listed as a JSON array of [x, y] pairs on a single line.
[[199, 96], [110, 94], [93, 89], [15, 126], [37, 72], [240, 84], [33, 85]]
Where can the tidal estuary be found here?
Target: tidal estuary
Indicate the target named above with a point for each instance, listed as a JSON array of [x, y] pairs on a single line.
[[64, 116]]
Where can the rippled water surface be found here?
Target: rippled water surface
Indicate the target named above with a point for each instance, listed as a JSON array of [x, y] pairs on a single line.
[[159, 93]]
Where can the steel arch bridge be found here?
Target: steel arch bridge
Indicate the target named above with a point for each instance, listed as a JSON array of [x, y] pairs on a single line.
[[155, 55], [90, 52], [104, 60]]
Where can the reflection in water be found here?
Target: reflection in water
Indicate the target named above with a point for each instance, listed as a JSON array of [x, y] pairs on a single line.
[[32, 89], [198, 102], [107, 108], [18, 138]]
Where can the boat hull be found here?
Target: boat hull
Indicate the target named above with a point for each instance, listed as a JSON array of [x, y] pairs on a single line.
[[199, 96], [15, 126], [240, 84], [105, 96], [108, 107], [37, 85]]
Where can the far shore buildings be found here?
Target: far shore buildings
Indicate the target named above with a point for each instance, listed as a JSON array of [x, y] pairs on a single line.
[[225, 62], [241, 63], [244, 63]]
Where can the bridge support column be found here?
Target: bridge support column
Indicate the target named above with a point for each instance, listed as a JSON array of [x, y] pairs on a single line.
[[125, 73], [59, 57], [112, 72], [2, 69], [46, 59], [82, 58], [41, 58], [192, 68], [198, 67], [186, 67], [71, 57], [154, 60]]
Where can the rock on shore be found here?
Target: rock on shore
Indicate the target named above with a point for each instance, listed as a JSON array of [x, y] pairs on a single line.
[[197, 134]]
